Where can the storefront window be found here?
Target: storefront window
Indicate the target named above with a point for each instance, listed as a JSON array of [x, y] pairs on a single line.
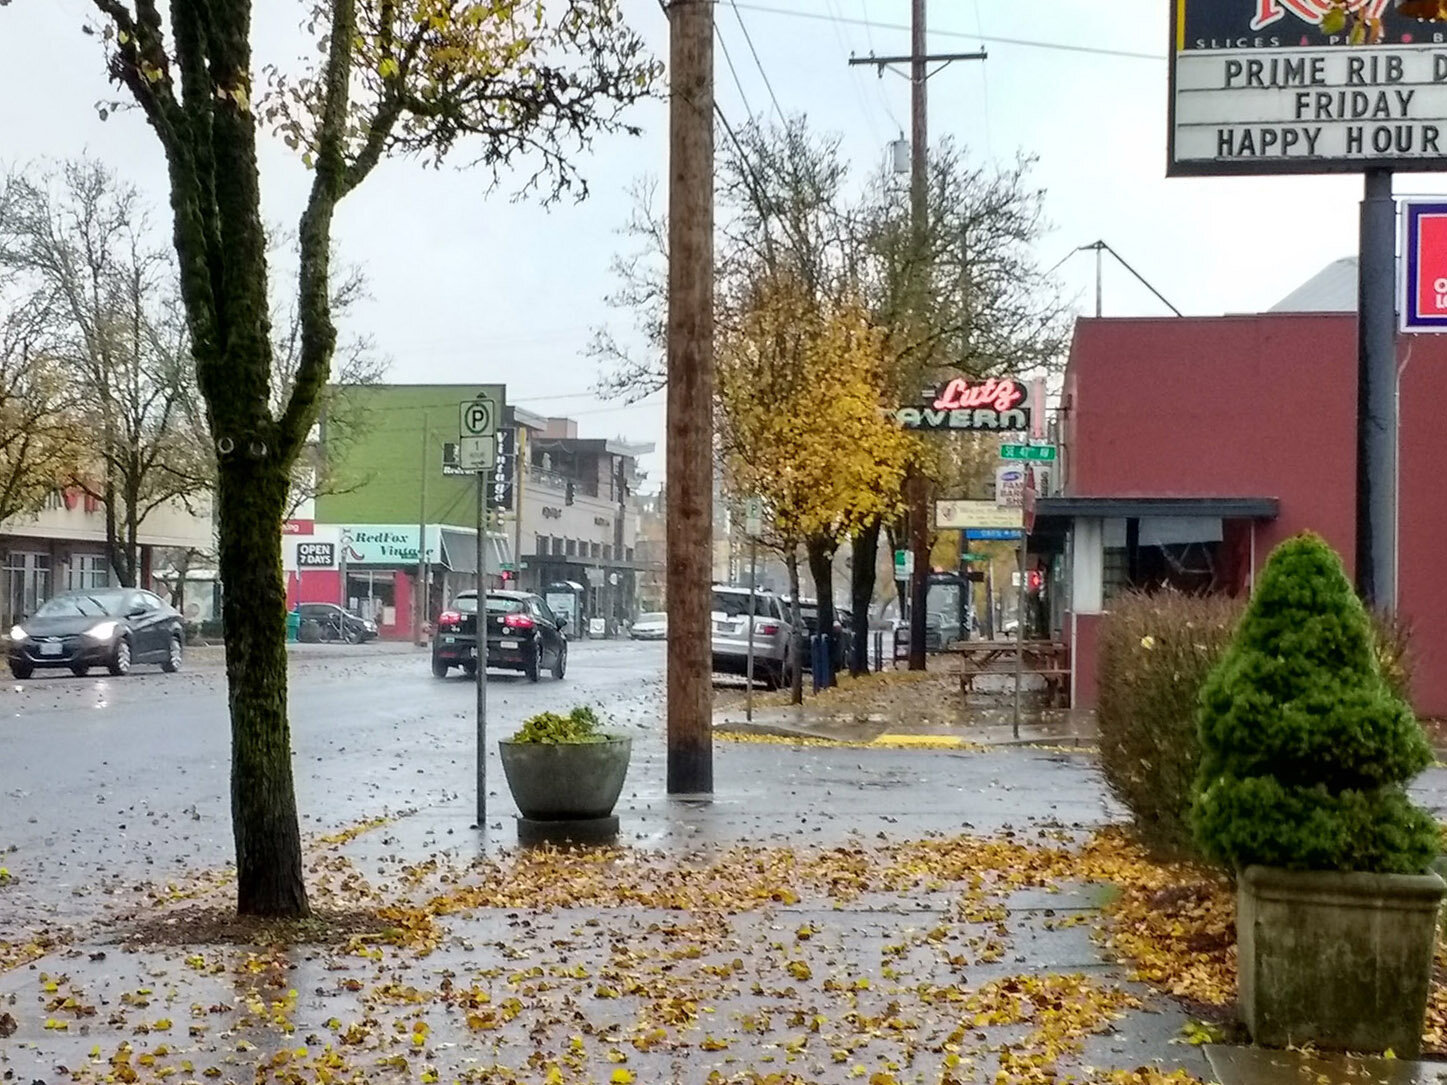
[[26, 583]]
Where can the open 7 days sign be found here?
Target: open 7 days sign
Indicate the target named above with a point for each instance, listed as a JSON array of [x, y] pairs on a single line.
[[1301, 86]]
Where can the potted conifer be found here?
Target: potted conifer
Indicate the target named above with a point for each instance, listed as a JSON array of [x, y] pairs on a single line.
[[565, 774], [1305, 754]]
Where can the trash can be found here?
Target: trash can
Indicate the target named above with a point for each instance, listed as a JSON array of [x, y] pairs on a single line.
[[293, 625]]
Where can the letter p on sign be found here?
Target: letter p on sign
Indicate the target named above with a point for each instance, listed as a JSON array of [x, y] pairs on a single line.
[[1424, 267]]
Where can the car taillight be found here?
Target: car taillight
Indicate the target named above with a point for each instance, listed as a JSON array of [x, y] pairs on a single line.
[[518, 621], [768, 629], [449, 617]]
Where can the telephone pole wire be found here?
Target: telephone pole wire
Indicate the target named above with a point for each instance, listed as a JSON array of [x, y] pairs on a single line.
[[690, 397]]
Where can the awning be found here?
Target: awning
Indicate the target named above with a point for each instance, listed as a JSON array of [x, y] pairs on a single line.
[[1130, 508], [459, 550]]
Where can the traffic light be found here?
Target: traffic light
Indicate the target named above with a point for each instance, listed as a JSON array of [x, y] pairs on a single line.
[[1431, 10], [1036, 579]]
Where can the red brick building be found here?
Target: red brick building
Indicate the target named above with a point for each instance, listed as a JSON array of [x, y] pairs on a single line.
[[1193, 446]]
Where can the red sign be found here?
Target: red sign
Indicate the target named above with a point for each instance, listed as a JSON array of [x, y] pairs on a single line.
[[1001, 395], [1425, 296], [298, 527]]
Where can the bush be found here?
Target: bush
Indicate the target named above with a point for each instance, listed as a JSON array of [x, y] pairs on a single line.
[[580, 725], [1305, 750], [1155, 653]]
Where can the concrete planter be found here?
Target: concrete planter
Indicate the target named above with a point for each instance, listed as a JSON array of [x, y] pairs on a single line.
[[1341, 961], [566, 781]]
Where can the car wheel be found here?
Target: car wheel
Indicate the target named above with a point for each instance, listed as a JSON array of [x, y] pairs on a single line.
[[80, 670], [120, 664], [439, 668], [533, 666], [172, 663], [773, 677], [354, 636], [560, 665], [20, 669], [470, 668]]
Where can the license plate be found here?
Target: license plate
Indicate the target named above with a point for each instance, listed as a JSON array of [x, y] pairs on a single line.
[[449, 640], [50, 648], [721, 627], [507, 644]]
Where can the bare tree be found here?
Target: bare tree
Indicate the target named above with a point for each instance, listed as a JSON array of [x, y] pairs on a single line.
[[80, 239]]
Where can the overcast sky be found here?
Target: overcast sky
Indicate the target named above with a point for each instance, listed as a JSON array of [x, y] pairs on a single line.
[[472, 287]]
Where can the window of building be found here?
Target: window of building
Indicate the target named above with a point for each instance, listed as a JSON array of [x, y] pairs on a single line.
[[595, 550], [607, 552], [542, 546], [629, 553], [25, 578], [87, 571], [572, 547]]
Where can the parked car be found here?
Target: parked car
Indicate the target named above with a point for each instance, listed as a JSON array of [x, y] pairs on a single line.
[[330, 622], [112, 628], [773, 650], [523, 634], [650, 627]]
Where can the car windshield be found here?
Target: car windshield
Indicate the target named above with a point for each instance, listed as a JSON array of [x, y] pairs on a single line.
[[736, 604], [467, 604], [652, 619], [86, 605]]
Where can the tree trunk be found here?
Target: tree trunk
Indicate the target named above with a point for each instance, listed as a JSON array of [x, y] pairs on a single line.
[[796, 623], [251, 499], [919, 541], [821, 568], [861, 583]]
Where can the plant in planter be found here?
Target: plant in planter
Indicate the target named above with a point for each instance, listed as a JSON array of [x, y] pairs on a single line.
[[565, 774], [1304, 756]]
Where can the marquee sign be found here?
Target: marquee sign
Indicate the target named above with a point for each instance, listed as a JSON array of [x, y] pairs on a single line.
[[995, 404], [1304, 86], [1424, 266]]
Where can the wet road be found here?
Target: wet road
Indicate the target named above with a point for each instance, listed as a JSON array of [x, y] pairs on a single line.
[[105, 783]]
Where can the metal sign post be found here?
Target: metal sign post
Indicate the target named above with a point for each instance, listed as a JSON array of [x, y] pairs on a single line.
[[1019, 637], [753, 527], [481, 648], [477, 452]]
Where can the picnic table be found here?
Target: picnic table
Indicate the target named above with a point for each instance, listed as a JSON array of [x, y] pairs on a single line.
[[1046, 659]]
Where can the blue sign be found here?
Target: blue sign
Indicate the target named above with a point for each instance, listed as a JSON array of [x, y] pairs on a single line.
[[1424, 291], [992, 534]]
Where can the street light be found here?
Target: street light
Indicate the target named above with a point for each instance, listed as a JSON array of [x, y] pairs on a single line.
[[1432, 10]]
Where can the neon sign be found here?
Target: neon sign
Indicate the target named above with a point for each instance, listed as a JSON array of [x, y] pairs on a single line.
[[993, 404]]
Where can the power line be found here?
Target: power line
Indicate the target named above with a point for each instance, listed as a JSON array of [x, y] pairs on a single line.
[[994, 39], [733, 71], [749, 38]]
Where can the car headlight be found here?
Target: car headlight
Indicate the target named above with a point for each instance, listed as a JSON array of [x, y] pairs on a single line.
[[17, 632], [101, 631]]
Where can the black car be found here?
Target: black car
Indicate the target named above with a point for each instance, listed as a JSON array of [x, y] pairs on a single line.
[[329, 622], [105, 627], [522, 635]]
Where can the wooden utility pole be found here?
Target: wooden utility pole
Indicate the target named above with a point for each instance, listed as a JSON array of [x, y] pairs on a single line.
[[690, 397]]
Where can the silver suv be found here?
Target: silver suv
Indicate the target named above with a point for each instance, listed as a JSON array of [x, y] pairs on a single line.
[[773, 653]]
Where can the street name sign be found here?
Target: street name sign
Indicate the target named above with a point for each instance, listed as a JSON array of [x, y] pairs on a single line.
[[992, 534], [1304, 86], [1034, 453]]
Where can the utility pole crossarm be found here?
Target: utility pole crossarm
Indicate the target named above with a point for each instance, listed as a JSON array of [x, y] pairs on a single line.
[[929, 58]]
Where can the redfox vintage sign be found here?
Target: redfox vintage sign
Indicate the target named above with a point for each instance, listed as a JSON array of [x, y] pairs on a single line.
[[1305, 86]]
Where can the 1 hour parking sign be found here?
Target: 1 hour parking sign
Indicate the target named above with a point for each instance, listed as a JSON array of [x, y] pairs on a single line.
[[1424, 266]]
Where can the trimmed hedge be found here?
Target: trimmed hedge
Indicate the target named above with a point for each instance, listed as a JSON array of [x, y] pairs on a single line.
[[1305, 750], [1156, 652]]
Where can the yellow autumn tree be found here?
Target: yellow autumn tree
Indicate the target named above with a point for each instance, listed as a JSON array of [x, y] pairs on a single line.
[[800, 420]]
